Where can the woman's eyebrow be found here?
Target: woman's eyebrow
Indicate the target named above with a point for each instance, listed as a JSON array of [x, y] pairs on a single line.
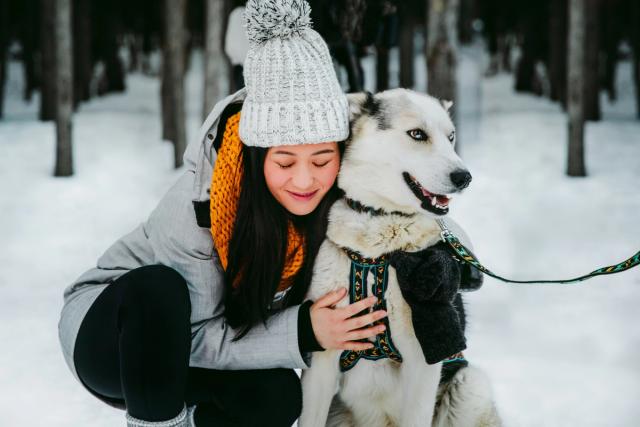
[[328, 150]]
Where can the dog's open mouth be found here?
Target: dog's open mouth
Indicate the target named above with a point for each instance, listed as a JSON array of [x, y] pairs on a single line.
[[434, 203]]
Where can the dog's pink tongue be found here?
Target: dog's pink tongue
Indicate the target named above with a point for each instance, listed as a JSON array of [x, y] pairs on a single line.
[[442, 200]]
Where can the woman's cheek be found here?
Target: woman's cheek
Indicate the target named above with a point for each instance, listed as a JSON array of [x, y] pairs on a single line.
[[332, 173]]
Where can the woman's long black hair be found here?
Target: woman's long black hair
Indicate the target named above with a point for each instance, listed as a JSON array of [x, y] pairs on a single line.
[[258, 246]]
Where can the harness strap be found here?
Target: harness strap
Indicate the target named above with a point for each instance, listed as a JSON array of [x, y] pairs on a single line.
[[383, 346]]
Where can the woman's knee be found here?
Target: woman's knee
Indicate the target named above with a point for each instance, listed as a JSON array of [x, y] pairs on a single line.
[[156, 290]]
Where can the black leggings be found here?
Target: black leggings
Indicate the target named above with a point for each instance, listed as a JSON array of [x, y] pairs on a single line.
[[132, 352]]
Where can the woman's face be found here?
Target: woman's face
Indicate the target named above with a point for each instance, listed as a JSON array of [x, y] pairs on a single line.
[[299, 176]]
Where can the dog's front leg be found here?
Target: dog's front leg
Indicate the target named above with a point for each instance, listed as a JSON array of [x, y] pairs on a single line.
[[319, 384], [420, 386]]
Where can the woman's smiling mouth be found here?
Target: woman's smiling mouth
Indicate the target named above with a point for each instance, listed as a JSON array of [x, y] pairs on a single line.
[[302, 196]]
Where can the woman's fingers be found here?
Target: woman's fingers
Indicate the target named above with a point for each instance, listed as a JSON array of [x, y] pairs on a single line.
[[355, 345], [330, 298], [365, 319], [357, 307], [365, 333]]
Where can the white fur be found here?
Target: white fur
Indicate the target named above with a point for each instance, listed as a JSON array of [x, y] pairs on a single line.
[[384, 393]]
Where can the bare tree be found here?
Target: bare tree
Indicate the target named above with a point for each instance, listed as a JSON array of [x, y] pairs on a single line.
[[64, 87], [4, 42], [575, 87], [592, 61], [216, 73], [48, 62], [29, 35], [83, 65], [558, 50], [407, 33], [635, 43], [442, 49], [173, 108]]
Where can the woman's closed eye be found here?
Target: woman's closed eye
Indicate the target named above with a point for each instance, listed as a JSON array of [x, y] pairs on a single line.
[[319, 165]]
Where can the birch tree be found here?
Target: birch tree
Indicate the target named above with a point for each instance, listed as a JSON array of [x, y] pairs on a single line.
[[575, 87], [64, 86]]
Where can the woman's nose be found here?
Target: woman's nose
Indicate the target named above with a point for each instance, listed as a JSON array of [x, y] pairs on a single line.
[[302, 178]]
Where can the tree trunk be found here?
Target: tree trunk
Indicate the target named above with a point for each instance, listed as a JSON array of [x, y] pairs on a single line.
[[575, 89], [635, 45], [558, 23], [4, 42], [382, 67], [114, 69], [465, 28], [29, 33], [64, 87], [173, 76], [592, 63], [82, 50], [534, 17], [407, 33], [611, 35], [216, 74], [441, 49], [48, 60]]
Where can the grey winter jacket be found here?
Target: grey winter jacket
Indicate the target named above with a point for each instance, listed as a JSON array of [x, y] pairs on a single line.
[[172, 236]]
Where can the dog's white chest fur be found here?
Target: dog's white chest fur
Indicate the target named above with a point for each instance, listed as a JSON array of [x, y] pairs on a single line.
[[380, 392]]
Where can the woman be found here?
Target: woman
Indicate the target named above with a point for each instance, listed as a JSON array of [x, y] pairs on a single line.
[[195, 317]]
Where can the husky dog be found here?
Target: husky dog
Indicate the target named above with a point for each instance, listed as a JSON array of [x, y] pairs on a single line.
[[399, 159]]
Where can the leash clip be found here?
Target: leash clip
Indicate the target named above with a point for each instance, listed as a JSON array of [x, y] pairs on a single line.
[[445, 233]]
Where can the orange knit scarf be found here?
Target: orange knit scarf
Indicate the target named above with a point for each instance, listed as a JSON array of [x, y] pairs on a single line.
[[225, 192]]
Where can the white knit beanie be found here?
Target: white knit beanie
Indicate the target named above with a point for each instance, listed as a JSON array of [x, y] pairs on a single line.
[[293, 94]]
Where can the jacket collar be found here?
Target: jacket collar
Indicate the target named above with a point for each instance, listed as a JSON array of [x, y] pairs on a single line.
[[200, 155]]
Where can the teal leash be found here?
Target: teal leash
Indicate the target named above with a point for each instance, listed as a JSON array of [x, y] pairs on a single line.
[[461, 253]]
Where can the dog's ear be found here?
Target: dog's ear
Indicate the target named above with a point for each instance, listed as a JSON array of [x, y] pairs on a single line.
[[357, 101], [446, 104]]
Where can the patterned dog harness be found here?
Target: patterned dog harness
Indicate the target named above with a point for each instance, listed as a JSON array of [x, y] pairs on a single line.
[[383, 346]]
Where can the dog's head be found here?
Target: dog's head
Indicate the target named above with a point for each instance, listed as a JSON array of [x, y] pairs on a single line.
[[400, 154]]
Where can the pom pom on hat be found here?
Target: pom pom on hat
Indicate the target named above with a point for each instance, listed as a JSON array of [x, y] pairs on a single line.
[[268, 19]]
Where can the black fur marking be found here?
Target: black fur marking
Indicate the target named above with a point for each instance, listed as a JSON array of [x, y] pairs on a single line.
[[375, 108]]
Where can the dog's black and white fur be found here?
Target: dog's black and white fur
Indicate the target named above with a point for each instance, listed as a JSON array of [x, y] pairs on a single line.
[[400, 158]]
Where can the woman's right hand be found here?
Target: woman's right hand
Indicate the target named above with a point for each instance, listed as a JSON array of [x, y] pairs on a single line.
[[335, 328]]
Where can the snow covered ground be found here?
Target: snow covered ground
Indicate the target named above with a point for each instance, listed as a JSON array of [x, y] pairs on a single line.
[[558, 355]]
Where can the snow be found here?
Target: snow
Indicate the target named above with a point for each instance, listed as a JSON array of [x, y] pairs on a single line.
[[557, 355]]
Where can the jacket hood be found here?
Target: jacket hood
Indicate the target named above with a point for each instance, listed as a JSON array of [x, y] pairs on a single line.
[[200, 155]]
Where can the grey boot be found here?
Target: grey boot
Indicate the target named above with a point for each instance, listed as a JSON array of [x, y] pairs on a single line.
[[183, 419]]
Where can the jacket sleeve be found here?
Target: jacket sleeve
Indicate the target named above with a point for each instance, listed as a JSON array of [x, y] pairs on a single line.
[[179, 242]]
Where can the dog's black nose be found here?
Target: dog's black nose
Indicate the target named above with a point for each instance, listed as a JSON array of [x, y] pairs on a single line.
[[460, 178]]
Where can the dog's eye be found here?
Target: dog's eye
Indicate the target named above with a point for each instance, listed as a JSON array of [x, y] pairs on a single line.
[[418, 134], [452, 136]]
